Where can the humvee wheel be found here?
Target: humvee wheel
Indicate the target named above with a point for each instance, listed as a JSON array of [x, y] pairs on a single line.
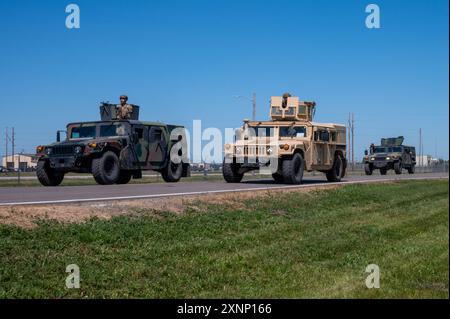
[[48, 176], [367, 169], [106, 169], [230, 172], [292, 169], [124, 177], [172, 172], [277, 177], [412, 169], [336, 173], [383, 171], [398, 167]]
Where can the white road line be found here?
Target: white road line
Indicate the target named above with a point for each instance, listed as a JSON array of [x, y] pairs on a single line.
[[99, 199]]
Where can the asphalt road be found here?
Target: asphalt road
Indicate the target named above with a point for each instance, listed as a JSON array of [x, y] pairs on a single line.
[[77, 194]]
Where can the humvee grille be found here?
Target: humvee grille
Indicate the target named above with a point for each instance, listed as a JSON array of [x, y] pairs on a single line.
[[380, 158], [63, 149]]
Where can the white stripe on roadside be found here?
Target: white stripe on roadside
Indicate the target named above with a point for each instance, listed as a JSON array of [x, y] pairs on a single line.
[[99, 199]]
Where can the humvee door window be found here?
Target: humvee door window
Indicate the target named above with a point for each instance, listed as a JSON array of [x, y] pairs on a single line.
[[381, 150], [83, 132], [298, 131], [397, 149], [156, 135], [324, 136], [140, 132], [289, 111]]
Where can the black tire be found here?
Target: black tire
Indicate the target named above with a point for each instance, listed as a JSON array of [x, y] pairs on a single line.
[[398, 167], [48, 176], [292, 169], [230, 172], [278, 178], [412, 169], [106, 169], [383, 171], [124, 177], [172, 172], [336, 173], [368, 169]]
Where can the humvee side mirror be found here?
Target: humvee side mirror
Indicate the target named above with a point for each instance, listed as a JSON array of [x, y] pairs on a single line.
[[366, 152]]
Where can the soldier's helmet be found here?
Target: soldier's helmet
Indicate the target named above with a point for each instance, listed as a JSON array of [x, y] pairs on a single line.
[[123, 97], [286, 95]]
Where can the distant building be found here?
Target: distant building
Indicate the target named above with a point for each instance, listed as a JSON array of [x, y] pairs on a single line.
[[24, 162], [424, 160]]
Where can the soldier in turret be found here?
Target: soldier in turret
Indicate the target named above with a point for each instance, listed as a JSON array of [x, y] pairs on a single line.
[[124, 110]]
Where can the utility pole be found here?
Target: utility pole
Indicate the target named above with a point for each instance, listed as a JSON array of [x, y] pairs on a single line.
[[351, 136], [6, 149], [353, 141], [12, 147], [254, 106], [420, 148]]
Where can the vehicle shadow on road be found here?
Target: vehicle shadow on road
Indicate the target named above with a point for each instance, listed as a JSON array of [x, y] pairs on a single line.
[[272, 182]]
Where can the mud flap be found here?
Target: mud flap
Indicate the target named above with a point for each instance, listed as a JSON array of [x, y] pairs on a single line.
[[186, 170]]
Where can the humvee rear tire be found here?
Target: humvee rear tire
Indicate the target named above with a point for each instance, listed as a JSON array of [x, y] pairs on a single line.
[[412, 169], [124, 177], [172, 172], [367, 169], [292, 169], [105, 169], [383, 171], [230, 172], [277, 177], [336, 173], [398, 167], [47, 176]]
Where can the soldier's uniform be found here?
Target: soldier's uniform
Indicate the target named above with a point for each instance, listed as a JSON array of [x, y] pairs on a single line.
[[124, 110]]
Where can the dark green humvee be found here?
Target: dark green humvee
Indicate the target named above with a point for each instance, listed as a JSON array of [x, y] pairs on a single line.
[[391, 154], [115, 151]]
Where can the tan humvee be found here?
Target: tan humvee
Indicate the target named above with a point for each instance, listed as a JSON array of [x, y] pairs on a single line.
[[287, 145]]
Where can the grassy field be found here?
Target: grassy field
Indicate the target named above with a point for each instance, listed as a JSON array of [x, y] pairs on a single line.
[[293, 245]]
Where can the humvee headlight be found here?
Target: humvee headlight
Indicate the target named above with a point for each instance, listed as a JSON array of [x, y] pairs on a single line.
[[92, 145], [286, 147], [48, 150], [78, 149], [372, 158], [388, 158], [269, 151]]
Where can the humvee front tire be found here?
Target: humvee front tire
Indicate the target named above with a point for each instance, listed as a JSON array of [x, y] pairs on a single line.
[[105, 169], [336, 173], [412, 169], [368, 169], [292, 169], [172, 172], [398, 167], [230, 172], [124, 177], [47, 176]]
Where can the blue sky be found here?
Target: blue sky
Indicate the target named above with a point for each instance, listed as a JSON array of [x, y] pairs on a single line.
[[185, 60]]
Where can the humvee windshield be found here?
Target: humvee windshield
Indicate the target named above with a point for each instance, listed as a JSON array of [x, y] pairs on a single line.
[[296, 131], [261, 131], [388, 149], [90, 131]]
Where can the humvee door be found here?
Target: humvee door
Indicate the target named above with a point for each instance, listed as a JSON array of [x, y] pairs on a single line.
[[157, 146]]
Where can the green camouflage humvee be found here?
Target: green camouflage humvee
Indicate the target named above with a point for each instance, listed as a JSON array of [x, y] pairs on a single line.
[[391, 154], [115, 150]]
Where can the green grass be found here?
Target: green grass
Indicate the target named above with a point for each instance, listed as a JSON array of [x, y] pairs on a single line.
[[290, 245]]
